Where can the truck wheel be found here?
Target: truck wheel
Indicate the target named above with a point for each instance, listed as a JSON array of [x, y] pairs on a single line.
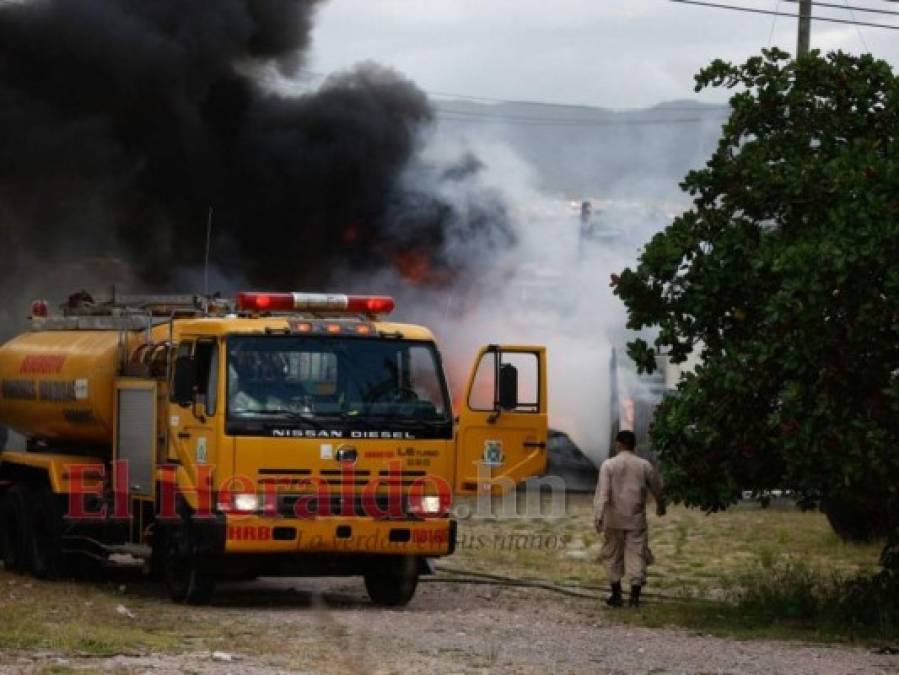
[[47, 558], [15, 530], [183, 580], [393, 582]]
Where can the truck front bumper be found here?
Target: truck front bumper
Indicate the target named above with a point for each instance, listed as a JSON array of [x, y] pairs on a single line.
[[336, 535]]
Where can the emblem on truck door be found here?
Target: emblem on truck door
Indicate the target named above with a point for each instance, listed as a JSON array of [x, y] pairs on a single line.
[[493, 453]]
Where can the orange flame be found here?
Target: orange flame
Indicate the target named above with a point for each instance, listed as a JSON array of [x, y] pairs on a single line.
[[413, 266]]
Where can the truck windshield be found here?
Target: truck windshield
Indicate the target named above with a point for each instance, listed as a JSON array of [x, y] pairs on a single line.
[[334, 383]]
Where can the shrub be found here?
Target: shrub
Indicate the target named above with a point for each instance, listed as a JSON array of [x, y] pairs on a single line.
[[794, 593]]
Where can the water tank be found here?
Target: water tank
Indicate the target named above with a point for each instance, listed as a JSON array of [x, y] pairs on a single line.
[[58, 385]]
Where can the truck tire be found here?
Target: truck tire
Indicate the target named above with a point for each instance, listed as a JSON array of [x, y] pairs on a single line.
[[15, 530], [184, 580], [47, 525], [393, 582]]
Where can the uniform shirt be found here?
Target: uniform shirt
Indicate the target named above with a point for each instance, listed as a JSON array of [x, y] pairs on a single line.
[[620, 500]]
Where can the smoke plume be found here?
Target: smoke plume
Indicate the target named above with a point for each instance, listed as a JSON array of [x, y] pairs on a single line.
[[552, 287], [123, 121]]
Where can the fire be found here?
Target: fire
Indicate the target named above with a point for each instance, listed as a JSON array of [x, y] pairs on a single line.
[[417, 267], [413, 266]]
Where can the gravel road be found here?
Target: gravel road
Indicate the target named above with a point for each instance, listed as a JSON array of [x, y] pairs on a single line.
[[327, 626]]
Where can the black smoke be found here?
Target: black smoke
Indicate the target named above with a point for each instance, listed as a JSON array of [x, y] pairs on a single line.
[[123, 121]]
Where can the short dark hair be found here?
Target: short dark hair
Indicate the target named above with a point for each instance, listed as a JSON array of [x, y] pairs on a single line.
[[627, 439]]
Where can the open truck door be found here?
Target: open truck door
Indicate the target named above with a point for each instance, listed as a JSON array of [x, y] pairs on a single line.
[[501, 439]]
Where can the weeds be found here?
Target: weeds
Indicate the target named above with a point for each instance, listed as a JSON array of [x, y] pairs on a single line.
[[794, 593], [783, 537], [680, 538], [791, 601], [767, 556]]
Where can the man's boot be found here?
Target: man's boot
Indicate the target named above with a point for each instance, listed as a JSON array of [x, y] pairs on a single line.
[[635, 596], [615, 600]]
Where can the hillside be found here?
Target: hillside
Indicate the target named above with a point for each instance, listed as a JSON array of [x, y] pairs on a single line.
[[594, 151]]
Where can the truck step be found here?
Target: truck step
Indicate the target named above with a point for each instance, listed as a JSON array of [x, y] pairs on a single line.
[[97, 549], [134, 550]]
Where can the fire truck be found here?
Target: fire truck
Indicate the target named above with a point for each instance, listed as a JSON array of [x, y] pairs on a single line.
[[273, 434]]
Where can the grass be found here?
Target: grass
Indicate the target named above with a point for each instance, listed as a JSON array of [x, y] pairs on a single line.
[[748, 572], [774, 573], [790, 601], [697, 554], [83, 619]]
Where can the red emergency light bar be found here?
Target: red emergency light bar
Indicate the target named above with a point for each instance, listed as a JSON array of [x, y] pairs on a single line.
[[326, 303]]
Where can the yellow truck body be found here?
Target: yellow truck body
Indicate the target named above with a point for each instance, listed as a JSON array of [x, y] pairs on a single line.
[[221, 441]]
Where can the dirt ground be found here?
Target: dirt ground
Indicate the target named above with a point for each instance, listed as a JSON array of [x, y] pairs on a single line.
[[328, 626], [126, 624]]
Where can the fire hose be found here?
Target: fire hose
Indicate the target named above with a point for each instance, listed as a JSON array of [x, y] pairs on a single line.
[[586, 591]]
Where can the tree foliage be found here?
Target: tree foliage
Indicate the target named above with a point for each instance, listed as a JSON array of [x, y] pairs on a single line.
[[784, 276]]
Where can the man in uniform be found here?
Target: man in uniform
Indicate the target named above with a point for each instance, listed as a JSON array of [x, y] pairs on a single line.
[[620, 512]]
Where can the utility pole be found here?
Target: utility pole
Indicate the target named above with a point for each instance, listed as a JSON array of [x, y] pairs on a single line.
[[805, 28]]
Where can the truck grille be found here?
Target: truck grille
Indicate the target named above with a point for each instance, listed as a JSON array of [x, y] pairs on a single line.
[[296, 478], [377, 506]]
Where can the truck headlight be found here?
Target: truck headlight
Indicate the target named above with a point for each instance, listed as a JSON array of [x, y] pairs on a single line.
[[246, 502], [430, 505]]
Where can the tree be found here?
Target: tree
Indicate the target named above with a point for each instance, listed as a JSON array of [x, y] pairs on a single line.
[[784, 276]]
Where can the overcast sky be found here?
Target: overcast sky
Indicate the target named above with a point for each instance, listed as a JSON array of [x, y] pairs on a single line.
[[611, 53]]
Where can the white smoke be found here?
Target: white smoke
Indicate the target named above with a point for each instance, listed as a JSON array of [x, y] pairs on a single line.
[[552, 288]]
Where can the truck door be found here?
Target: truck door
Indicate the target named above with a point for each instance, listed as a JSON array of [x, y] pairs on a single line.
[[501, 437], [191, 417]]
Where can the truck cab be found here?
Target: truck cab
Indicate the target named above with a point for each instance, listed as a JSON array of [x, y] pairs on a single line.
[[286, 434]]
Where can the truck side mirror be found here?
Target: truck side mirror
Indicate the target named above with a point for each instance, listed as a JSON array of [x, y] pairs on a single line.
[[508, 387], [185, 381]]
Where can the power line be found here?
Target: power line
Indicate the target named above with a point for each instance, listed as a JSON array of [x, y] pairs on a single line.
[[851, 8], [857, 28], [711, 108], [773, 23], [559, 120], [466, 116], [753, 10]]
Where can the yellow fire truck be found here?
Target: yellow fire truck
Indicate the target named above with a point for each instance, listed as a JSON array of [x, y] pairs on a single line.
[[278, 434]]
